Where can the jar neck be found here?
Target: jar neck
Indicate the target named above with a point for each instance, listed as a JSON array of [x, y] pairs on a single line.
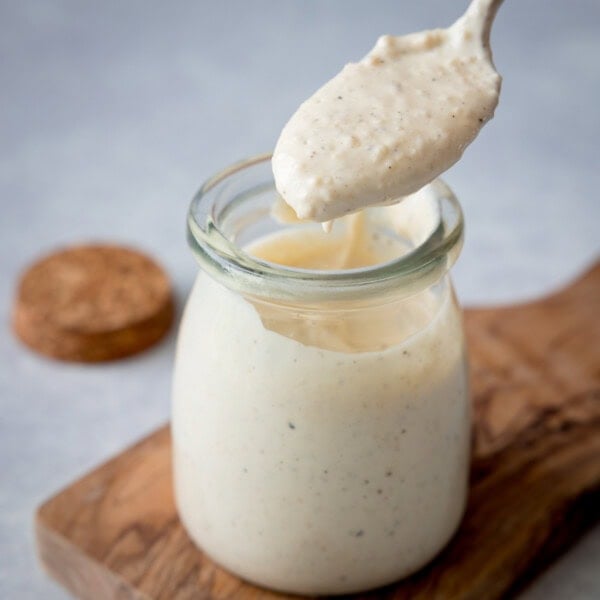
[[232, 209]]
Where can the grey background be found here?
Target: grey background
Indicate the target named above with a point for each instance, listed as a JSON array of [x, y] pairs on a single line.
[[111, 115]]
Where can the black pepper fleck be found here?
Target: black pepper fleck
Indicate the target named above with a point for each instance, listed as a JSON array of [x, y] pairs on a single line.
[[388, 473], [359, 533], [339, 97], [291, 425]]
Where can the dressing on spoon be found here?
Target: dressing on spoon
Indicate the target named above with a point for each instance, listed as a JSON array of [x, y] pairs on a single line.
[[385, 126]]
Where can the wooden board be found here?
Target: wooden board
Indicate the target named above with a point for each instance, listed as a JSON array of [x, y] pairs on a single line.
[[114, 534]]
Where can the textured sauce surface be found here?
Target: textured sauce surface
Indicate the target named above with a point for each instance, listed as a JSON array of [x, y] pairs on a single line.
[[387, 125]]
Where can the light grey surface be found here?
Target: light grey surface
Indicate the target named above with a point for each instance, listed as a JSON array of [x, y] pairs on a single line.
[[112, 113]]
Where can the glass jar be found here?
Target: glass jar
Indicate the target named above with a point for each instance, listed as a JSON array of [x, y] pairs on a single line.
[[321, 419]]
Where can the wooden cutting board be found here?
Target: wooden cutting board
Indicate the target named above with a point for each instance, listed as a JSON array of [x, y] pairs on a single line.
[[114, 534]]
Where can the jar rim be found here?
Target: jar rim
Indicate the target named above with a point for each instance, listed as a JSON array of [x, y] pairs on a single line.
[[421, 267]]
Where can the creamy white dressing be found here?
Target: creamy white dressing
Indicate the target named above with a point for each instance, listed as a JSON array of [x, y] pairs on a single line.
[[320, 452], [389, 124]]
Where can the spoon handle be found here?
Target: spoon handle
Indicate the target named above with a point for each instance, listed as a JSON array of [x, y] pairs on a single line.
[[481, 15]]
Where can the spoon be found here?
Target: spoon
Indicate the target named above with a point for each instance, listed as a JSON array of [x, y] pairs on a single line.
[[386, 126]]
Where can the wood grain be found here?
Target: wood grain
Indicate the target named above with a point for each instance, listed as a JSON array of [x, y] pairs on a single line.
[[535, 478]]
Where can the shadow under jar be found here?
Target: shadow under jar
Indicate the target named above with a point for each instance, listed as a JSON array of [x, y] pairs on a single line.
[[321, 418]]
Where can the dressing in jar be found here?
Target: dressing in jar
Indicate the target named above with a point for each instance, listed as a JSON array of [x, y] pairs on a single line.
[[321, 415]]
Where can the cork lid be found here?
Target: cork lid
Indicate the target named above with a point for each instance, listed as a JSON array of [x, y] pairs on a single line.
[[93, 303]]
